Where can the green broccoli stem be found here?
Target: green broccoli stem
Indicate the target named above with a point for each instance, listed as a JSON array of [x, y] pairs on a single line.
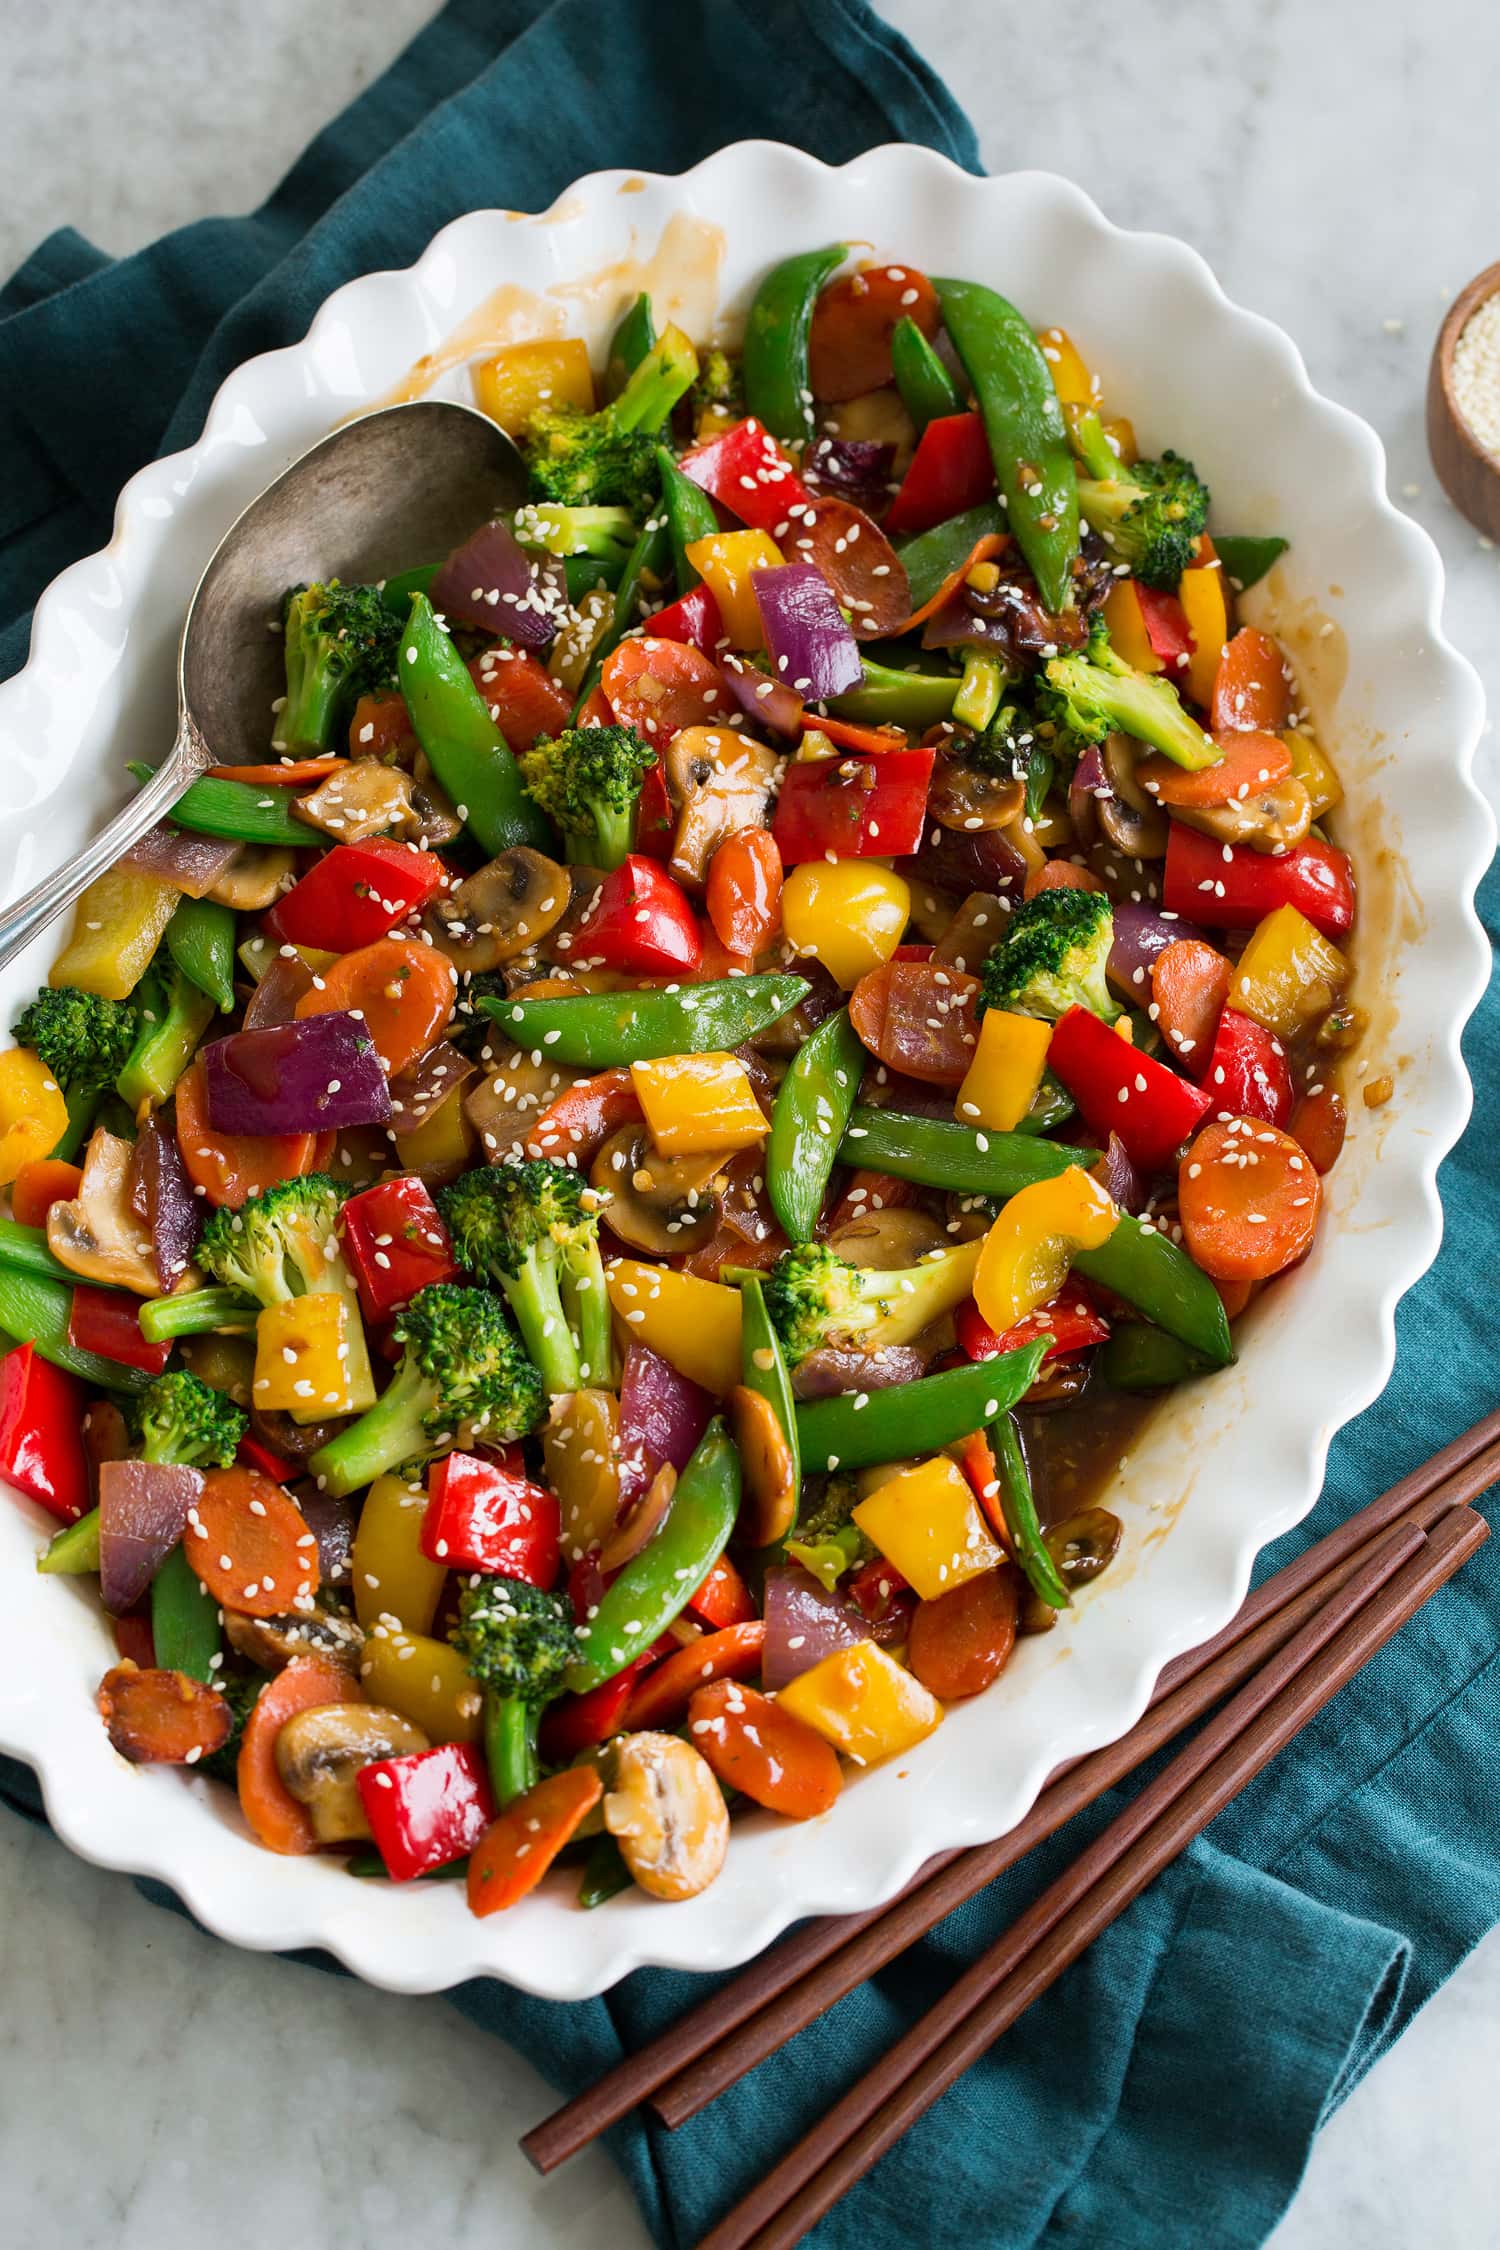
[[983, 684], [610, 844], [166, 1047], [75, 1548], [198, 1312], [392, 1431], [1092, 446], [536, 1300], [656, 383], [83, 1108], [586, 1302], [510, 1745], [316, 698]]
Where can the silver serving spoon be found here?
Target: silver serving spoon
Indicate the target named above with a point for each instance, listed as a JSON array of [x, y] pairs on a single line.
[[398, 487]]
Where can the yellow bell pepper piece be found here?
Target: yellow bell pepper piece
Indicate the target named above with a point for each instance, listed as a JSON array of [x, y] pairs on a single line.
[[1006, 1070], [425, 1680], [580, 1448], [927, 1522], [1201, 593], [1312, 769], [1120, 431], [1070, 378], [310, 1359], [1127, 627], [696, 1104], [393, 1579], [850, 915], [724, 563], [694, 1324], [522, 378], [1288, 974], [117, 927], [33, 1114], [1030, 1247], [444, 1145], [864, 1703]]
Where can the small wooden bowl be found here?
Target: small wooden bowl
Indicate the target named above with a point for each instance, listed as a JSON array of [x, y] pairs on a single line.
[[1469, 476]]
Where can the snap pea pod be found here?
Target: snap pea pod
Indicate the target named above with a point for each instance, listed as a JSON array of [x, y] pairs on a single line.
[[584, 574], [236, 811], [1150, 1272], [184, 1620], [933, 556], [887, 696], [1024, 423], [396, 593], [510, 1745], [763, 1367], [648, 560], [605, 1874], [928, 391], [200, 939], [600, 1030], [659, 1582], [935, 1153], [1139, 1358], [197, 1312], [1018, 1506], [24, 1250], [74, 1549], [840, 1433], [812, 1110], [464, 747], [689, 513], [628, 346], [1247, 560], [777, 389], [36, 1307]]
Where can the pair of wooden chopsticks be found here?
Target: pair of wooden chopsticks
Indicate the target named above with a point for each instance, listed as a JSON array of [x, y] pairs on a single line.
[[1290, 1648]]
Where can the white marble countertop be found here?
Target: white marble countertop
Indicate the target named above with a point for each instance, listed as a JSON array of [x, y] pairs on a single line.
[[1336, 167]]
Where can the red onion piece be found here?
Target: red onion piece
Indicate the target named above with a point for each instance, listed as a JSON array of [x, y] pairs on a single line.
[[166, 1199], [955, 625], [804, 1623], [835, 1368], [854, 469], [1141, 933], [807, 637], [275, 998], [662, 1417], [192, 863], [490, 582], [306, 1077], [858, 561], [956, 859], [767, 703], [1089, 781], [331, 1523], [1121, 1178], [418, 1092], [143, 1511]]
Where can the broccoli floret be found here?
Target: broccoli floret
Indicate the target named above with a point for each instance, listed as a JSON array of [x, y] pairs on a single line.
[[605, 534], [179, 1420], [84, 1041], [1051, 956], [463, 1371], [815, 1298], [1098, 693], [285, 1244], [608, 459], [171, 1015], [1149, 515], [341, 643], [527, 1230], [825, 1539], [587, 780], [517, 1642], [720, 384]]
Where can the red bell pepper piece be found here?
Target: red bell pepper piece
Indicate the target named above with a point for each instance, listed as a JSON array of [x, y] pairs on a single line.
[[1229, 887], [877, 1589], [723, 1598], [355, 894], [1248, 1073], [693, 617], [488, 1515], [1069, 1324], [1120, 1090], [522, 697], [574, 1723], [977, 1460], [745, 470], [1166, 625], [854, 807], [576, 1126], [655, 821], [41, 1433], [426, 1809], [108, 1322], [251, 1454], [640, 921], [395, 1244], [951, 470]]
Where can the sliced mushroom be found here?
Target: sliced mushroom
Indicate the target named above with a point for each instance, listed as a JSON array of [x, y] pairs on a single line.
[[1132, 823], [666, 1812], [1081, 1546], [435, 819], [972, 931], [662, 1204], [719, 780], [1271, 819], [274, 1641], [364, 798], [294, 1441], [320, 1753], [885, 1241], [505, 1103], [964, 796], [501, 911], [97, 1235], [257, 879], [769, 1506]]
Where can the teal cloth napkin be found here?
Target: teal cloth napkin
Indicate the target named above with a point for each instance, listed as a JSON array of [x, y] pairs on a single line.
[[1168, 2089]]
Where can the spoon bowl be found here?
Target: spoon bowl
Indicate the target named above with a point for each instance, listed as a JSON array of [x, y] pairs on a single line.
[[405, 481]]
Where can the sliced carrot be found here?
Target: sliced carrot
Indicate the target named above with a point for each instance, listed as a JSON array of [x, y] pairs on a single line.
[[961, 1641], [849, 346], [1235, 1296], [744, 891], [1251, 760], [381, 725], [515, 1851], [664, 1694], [231, 1167], [248, 1542], [273, 1814], [297, 773], [1318, 1125], [575, 1126], [1251, 688], [1189, 986], [918, 1017], [848, 736], [858, 561], [983, 550], [522, 697], [1248, 1199], [1059, 875], [659, 687], [162, 1718], [977, 1460], [404, 992], [597, 710], [38, 1185], [764, 1751]]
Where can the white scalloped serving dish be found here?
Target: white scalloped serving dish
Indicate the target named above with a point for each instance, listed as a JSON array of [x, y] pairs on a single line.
[[1237, 1459]]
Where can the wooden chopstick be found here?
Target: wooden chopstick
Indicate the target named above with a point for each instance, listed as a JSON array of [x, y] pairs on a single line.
[[758, 1997], [1113, 1871]]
